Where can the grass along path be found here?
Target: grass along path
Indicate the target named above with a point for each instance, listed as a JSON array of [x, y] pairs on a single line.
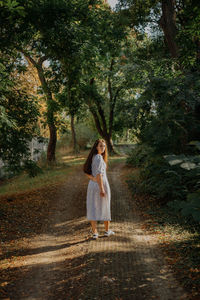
[[52, 175]]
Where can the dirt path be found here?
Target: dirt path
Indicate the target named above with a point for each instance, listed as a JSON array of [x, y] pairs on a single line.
[[63, 262]]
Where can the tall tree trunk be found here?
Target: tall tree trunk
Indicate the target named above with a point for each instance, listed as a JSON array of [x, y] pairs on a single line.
[[74, 141], [168, 24], [109, 144], [52, 143], [50, 110], [98, 113], [50, 115], [103, 133]]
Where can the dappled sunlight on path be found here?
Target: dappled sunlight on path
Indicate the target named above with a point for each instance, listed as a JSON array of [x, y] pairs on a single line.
[[63, 262]]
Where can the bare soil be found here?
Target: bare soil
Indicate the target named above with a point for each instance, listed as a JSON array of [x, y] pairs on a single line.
[[59, 259]]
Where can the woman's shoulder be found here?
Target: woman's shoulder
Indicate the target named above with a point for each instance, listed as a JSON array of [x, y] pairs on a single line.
[[97, 156]]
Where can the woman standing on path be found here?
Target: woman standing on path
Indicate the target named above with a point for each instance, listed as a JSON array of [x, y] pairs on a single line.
[[98, 191]]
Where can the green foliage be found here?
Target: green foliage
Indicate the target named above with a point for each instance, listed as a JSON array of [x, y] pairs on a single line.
[[31, 168], [139, 12], [189, 35], [165, 113], [19, 114], [174, 179], [170, 178], [160, 181], [139, 155], [165, 110], [188, 208], [191, 166], [85, 135], [13, 7]]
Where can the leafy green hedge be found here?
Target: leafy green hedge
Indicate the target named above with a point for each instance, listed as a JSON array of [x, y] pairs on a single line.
[[172, 179]]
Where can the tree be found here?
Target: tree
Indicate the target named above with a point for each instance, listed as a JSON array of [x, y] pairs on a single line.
[[51, 104], [19, 113], [101, 87], [94, 34], [168, 24]]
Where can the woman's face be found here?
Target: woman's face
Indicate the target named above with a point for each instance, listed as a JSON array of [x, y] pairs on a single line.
[[101, 147]]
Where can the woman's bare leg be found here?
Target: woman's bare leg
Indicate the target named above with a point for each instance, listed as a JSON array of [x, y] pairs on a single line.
[[94, 226], [106, 223]]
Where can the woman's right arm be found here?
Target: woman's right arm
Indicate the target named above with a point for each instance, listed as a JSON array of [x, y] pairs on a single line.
[[99, 169], [100, 183], [91, 177]]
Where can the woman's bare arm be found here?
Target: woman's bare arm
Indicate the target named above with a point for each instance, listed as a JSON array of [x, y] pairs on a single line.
[[91, 177], [100, 183]]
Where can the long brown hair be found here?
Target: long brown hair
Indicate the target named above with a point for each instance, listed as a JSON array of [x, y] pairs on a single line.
[[87, 167]]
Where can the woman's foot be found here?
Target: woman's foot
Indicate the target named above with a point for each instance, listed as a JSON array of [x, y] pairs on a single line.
[[109, 232]]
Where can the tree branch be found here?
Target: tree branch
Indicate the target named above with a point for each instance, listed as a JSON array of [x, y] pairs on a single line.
[[112, 110], [100, 111]]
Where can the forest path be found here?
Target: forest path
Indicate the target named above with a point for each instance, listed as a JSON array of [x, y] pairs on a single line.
[[63, 262]]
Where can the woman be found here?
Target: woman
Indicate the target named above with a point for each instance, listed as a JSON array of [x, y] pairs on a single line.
[[98, 191]]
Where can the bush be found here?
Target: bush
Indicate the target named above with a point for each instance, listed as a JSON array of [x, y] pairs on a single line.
[[191, 207], [190, 169], [139, 155], [161, 181], [172, 179], [165, 115], [32, 168]]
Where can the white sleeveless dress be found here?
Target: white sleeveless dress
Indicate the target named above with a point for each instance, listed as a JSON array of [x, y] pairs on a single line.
[[98, 208]]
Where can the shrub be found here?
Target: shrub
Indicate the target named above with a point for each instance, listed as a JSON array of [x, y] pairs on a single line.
[[139, 155], [169, 177]]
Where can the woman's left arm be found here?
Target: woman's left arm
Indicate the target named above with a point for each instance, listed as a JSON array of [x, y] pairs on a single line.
[[91, 177]]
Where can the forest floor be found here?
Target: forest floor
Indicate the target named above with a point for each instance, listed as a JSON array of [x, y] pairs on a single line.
[[47, 251]]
